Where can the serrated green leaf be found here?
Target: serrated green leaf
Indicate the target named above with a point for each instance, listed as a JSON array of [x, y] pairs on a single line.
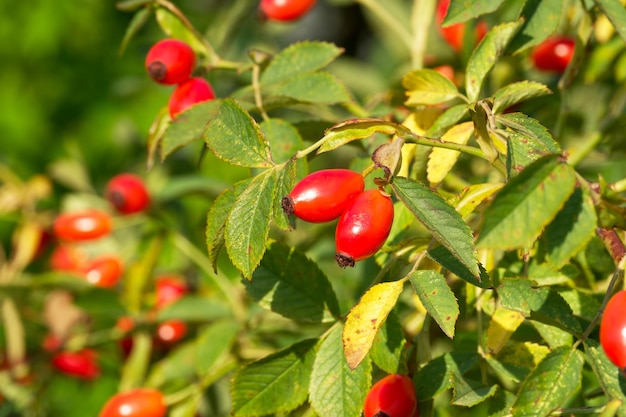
[[445, 258], [299, 58], [517, 92], [388, 347], [445, 223], [571, 229], [515, 361], [543, 304], [216, 219], [235, 137], [212, 343], [290, 284], [550, 384], [527, 204], [541, 19], [468, 393], [486, 55], [285, 181], [607, 373], [464, 10], [188, 126], [366, 317], [615, 11], [427, 86], [318, 87], [337, 390], [356, 129], [195, 308], [449, 118], [441, 160], [437, 297], [248, 223], [137, 22], [259, 388], [436, 376], [503, 324]]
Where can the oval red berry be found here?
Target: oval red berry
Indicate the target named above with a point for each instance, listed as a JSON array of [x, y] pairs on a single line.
[[104, 271], [81, 364], [82, 225], [392, 396], [141, 402], [127, 193], [171, 331], [285, 10], [613, 330], [554, 54], [363, 227], [169, 288], [170, 61], [323, 195], [193, 91]]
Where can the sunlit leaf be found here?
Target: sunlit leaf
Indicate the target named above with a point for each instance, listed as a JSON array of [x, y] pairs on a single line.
[[427, 86], [541, 19], [616, 13], [441, 160], [515, 93], [188, 126], [464, 10], [607, 373], [356, 129], [299, 58], [438, 299]]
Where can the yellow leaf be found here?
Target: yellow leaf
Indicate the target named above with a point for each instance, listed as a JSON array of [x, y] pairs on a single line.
[[502, 325], [442, 160], [366, 318], [418, 122]]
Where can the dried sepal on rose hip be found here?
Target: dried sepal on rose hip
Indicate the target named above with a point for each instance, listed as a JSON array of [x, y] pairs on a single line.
[[392, 396], [363, 227], [285, 10], [613, 330], [139, 402], [170, 61], [323, 195]]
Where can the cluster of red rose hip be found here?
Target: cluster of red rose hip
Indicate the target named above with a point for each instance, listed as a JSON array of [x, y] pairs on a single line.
[[365, 217]]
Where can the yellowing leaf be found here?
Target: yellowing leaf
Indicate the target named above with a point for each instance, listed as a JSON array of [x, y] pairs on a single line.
[[442, 160], [366, 318], [502, 325]]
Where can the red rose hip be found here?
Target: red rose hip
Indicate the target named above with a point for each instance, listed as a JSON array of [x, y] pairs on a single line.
[[285, 10], [170, 61], [364, 227], [455, 34], [81, 364], [127, 193], [141, 402], [553, 54], [82, 225], [392, 396], [613, 330], [323, 195], [193, 91], [104, 271]]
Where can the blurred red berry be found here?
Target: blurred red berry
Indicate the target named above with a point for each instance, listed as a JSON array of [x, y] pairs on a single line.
[[127, 193], [141, 402], [82, 225], [285, 10], [81, 364], [104, 271], [554, 54], [169, 288]]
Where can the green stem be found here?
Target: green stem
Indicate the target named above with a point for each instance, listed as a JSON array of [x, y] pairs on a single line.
[[438, 143], [421, 18], [14, 331], [134, 370], [389, 20], [256, 86]]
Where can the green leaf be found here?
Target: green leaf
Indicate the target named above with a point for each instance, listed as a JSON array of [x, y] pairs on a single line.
[[337, 390], [259, 388], [437, 297], [615, 11], [188, 126], [436, 376], [365, 319], [550, 384], [216, 219], [212, 343], [172, 25], [517, 92], [388, 347], [527, 204], [516, 359], [248, 222], [356, 129], [571, 229], [486, 55], [472, 196], [290, 284], [607, 373], [543, 304], [299, 58], [285, 181], [445, 258], [179, 364], [468, 393], [541, 19], [235, 137], [445, 223], [195, 308], [449, 118], [427, 86], [140, 18], [464, 10], [319, 87]]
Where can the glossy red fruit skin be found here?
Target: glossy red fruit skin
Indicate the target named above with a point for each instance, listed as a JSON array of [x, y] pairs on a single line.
[[169, 288], [67, 258], [193, 91], [454, 34], [81, 364], [82, 225], [613, 330], [323, 195], [103, 271], [553, 54], [170, 61], [171, 331], [392, 396], [285, 10], [363, 227], [127, 193], [141, 402]]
